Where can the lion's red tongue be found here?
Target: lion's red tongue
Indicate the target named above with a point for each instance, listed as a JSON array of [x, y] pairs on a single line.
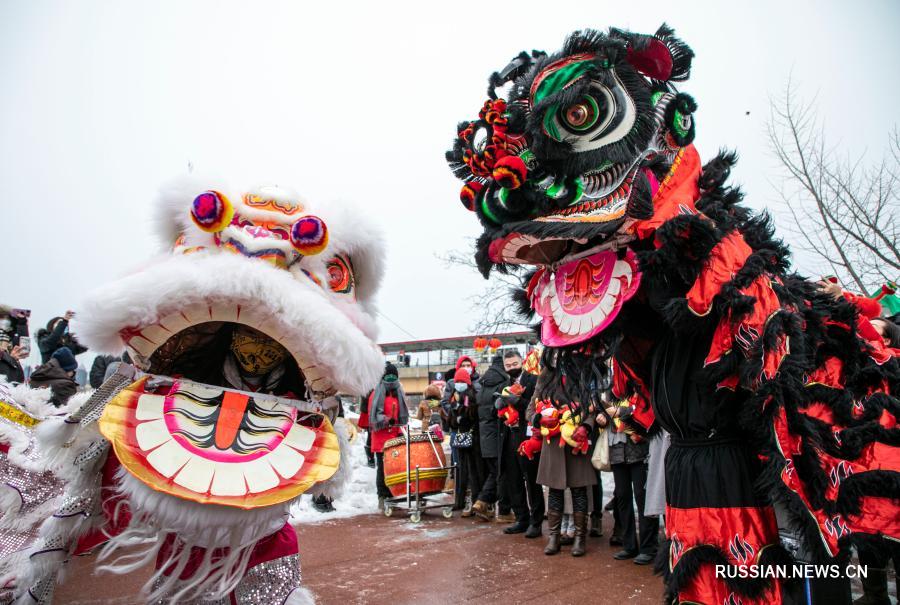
[[580, 298]]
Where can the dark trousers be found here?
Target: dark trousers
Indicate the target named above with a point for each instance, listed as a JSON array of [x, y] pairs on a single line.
[[489, 489], [369, 455], [470, 474], [534, 491], [512, 475], [383, 491], [631, 485]]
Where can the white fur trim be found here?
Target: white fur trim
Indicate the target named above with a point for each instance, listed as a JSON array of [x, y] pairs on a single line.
[[301, 596], [295, 312], [335, 485]]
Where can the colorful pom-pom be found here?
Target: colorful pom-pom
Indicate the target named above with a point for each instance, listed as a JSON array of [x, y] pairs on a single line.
[[510, 172], [309, 235], [469, 194], [211, 211]]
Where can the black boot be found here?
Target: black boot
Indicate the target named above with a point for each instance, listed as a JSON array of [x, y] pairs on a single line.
[[534, 531], [521, 524], [581, 521], [554, 523]]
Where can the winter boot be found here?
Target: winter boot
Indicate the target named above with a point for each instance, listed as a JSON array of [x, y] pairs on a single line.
[[581, 523], [521, 524], [875, 591], [534, 531], [554, 523], [482, 510]]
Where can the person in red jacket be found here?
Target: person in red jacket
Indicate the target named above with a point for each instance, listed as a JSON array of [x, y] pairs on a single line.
[[387, 413]]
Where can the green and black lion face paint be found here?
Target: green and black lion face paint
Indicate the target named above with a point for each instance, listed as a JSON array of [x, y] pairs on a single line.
[[577, 147]]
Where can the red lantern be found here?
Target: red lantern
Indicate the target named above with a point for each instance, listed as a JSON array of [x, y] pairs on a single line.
[[494, 344], [479, 344]]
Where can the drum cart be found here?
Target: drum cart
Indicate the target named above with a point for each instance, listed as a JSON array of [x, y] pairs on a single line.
[[415, 503]]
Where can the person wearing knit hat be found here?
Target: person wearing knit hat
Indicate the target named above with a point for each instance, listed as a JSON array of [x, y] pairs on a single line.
[[463, 420], [470, 366], [387, 413], [57, 375], [66, 359], [462, 375]]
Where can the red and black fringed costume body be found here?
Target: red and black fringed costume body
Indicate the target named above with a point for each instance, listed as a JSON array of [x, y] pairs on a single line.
[[770, 393], [780, 400]]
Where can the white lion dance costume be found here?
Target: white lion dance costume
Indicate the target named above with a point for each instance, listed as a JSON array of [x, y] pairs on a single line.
[[241, 339]]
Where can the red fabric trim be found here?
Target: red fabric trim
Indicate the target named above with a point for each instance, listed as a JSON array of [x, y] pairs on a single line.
[[676, 194], [866, 306], [750, 328], [725, 259], [274, 546], [742, 533]]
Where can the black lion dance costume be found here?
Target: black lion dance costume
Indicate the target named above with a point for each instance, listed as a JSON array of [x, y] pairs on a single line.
[[780, 408]]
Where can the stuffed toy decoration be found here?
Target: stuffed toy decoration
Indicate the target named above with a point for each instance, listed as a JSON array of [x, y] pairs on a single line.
[[510, 395], [569, 425], [531, 446], [241, 336], [581, 170], [548, 416]]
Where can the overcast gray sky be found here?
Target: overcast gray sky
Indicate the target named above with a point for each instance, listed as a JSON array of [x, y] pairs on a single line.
[[100, 102]]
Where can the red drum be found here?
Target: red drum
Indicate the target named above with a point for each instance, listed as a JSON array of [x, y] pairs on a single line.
[[427, 453]]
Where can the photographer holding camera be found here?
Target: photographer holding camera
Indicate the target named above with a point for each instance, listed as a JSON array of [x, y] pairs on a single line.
[[56, 335], [15, 344]]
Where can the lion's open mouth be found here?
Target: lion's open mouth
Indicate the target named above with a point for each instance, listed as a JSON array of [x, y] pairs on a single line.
[[193, 343], [197, 426]]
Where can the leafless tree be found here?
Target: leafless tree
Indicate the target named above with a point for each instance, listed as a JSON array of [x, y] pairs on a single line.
[[844, 209], [493, 305]]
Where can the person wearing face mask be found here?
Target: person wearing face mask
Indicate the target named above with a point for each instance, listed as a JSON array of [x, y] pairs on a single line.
[[463, 420], [387, 413], [489, 438], [469, 365], [511, 402]]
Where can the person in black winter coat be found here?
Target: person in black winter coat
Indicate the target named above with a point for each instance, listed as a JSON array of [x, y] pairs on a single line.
[[494, 379], [10, 368], [98, 369], [57, 335], [515, 470], [463, 420]]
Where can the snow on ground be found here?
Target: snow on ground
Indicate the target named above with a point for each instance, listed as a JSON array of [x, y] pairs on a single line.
[[359, 497]]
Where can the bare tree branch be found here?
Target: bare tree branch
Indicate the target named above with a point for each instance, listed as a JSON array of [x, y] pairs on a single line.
[[843, 210], [494, 308]]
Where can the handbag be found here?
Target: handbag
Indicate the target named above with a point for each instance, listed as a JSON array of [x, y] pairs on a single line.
[[600, 456], [462, 440]]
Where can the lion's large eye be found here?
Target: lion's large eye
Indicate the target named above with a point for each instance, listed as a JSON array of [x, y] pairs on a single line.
[[581, 115], [340, 275], [603, 115]]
